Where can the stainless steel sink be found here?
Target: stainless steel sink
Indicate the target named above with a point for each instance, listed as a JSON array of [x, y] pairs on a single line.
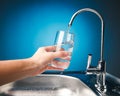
[[50, 85]]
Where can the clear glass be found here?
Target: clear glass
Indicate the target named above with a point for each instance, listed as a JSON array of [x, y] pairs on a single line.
[[64, 40]]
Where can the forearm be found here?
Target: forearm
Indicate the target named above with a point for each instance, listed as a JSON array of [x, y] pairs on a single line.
[[13, 70]]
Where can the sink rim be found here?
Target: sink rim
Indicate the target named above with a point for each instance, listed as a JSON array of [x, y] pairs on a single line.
[[33, 82], [63, 76]]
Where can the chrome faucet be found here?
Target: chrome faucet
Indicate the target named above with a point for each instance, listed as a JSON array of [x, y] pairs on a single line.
[[100, 70]]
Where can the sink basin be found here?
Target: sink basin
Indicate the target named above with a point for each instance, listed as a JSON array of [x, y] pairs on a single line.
[[50, 85]]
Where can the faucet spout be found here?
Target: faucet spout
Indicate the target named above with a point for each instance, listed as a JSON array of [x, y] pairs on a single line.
[[102, 32], [100, 70]]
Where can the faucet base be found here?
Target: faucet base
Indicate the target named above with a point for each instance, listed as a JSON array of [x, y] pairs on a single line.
[[101, 89]]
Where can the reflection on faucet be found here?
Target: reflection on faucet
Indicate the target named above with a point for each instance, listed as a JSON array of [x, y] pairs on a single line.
[[100, 70]]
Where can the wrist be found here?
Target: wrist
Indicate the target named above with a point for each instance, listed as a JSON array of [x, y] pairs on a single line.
[[30, 67]]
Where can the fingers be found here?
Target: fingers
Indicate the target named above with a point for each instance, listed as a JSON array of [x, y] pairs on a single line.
[[50, 48], [54, 68], [67, 58], [60, 54], [58, 64]]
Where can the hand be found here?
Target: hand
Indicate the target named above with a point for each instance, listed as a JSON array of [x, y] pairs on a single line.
[[45, 56], [12, 70]]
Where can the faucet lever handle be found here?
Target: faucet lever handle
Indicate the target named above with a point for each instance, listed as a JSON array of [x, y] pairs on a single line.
[[89, 60]]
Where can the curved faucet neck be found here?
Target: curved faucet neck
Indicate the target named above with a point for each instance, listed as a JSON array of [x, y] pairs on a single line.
[[102, 31]]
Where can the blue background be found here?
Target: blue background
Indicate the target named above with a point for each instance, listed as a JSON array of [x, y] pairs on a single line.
[[26, 25]]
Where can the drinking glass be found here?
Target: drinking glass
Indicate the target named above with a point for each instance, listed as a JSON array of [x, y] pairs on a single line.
[[64, 40]]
